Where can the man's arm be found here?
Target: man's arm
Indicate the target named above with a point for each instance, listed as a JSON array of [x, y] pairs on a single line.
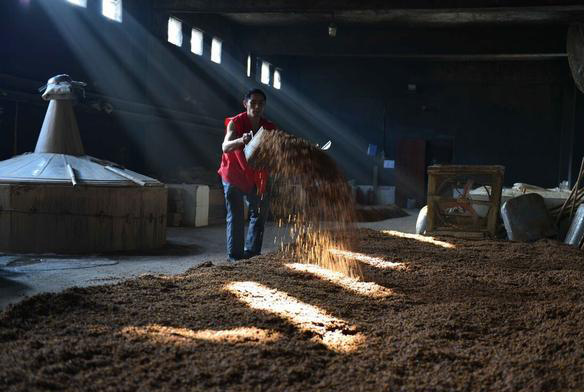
[[231, 142]]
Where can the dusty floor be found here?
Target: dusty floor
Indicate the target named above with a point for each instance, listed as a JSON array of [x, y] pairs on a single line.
[[27, 275], [451, 315]]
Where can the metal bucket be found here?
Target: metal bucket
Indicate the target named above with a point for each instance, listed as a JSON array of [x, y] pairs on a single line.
[[576, 231], [526, 218]]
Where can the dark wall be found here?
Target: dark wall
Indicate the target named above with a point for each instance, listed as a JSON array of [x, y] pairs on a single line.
[[512, 113], [168, 104]]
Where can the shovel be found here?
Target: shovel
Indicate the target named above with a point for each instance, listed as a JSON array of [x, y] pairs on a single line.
[[253, 144]]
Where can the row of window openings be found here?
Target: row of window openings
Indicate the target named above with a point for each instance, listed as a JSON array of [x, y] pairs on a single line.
[[175, 36], [265, 74], [111, 9]]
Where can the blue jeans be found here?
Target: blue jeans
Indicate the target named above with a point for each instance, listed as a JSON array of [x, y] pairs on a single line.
[[258, 213]]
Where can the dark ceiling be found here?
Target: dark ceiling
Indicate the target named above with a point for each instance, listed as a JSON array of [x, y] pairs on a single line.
[[441, 30], [397, 13]]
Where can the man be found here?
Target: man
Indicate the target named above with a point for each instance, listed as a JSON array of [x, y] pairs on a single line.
[[241, 181]]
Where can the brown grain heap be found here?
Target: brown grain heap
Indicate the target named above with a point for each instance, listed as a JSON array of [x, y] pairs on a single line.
[[462, 316], [313, 197]]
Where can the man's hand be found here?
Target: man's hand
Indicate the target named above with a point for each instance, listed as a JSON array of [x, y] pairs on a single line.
[[247, 137], [232, 142]]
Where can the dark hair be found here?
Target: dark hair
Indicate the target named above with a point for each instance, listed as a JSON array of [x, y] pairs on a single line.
[[255, 91]]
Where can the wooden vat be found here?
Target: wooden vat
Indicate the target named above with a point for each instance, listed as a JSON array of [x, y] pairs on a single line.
[[46, 218], [58, 200]]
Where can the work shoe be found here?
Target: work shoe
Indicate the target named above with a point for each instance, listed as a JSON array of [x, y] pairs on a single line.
[[224, 263], [235, 258], [248, 254]]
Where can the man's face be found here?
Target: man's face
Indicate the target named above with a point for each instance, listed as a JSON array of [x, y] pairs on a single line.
[[255, 105]]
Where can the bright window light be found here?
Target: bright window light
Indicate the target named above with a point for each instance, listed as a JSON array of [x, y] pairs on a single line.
[[277, 79], [265, 74], [175, 31], [216, 50], [80, 3], [197, 41], [249, 66], [112, 9]]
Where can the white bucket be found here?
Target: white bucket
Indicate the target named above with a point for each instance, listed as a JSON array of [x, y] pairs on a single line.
[[385, 195]]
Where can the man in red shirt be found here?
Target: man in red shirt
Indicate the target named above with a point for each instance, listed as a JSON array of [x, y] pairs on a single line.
[[241, 181]]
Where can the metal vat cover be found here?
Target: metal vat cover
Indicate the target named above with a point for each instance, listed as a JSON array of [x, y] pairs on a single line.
[[52, 168]]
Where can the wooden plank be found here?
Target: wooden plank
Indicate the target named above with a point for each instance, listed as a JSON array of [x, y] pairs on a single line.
[[493, 216], [453, 200], [5, 216]]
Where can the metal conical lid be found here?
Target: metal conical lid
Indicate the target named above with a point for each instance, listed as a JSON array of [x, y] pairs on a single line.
[[59, 156], [52, 168], [59, 133]]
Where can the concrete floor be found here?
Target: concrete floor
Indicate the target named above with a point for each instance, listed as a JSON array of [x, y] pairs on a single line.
[[25, 275]]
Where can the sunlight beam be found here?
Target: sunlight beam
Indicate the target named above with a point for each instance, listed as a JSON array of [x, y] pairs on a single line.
[[421, 238], [368, 289], [334, 333], [370, 260], [184, 335]]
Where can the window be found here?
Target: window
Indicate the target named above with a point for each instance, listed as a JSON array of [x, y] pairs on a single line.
[[265, 73], [80, 3], [216, 50], [197, 41], [112, 9], [249, 66], [277, 79], [175, 31]]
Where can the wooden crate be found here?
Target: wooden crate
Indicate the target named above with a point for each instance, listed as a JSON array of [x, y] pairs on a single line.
[[464, 200]]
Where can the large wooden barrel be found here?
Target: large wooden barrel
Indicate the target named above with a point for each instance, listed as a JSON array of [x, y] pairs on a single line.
[[108, 209], [41, 218], [58, 200]]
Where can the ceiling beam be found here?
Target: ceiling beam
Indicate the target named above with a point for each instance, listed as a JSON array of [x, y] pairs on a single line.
[[441, 57], [327, 6], [394, 12], [416, 17]]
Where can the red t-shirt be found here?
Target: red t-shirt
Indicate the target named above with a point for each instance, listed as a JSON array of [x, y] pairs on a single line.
[[234, 168]]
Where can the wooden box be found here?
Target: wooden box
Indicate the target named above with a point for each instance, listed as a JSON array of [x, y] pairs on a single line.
[[464, 200]]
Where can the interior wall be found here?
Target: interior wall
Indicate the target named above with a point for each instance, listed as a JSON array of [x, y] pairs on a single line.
[[506, 112], [167, 103]]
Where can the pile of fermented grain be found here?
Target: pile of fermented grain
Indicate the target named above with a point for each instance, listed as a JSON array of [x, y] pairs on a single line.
[[429, 315], [312, 197], [465, 316]]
